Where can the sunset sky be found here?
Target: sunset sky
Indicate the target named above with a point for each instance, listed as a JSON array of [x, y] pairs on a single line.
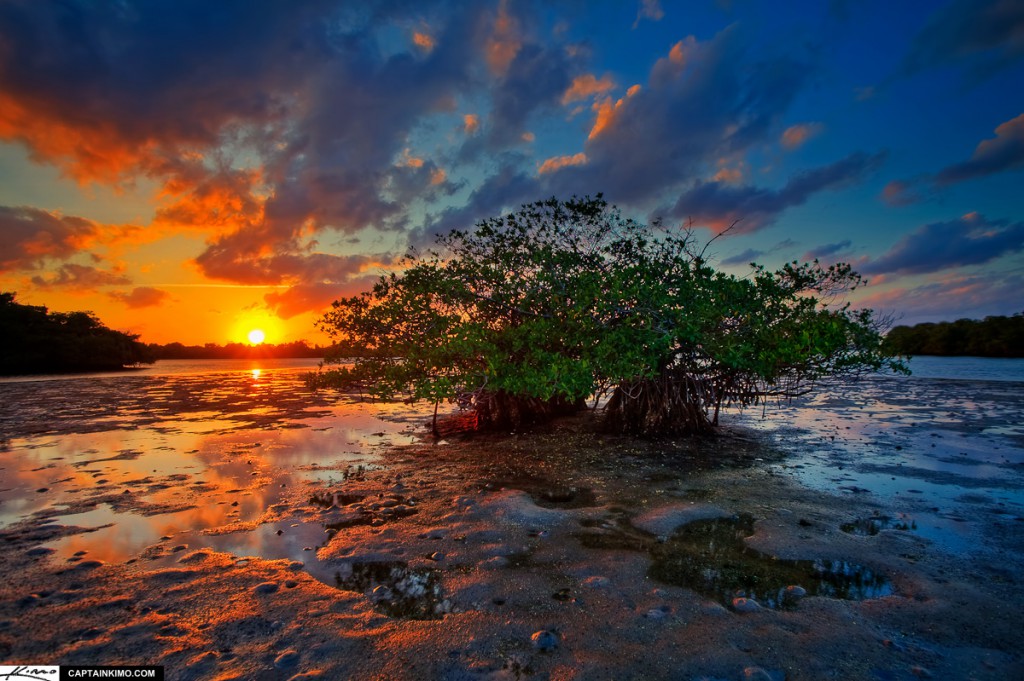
[[192, 170]]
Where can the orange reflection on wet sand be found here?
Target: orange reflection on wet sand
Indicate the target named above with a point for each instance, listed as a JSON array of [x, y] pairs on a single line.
[[202, 459]]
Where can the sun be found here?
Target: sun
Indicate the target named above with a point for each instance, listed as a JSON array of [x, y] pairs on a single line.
[[256, 336]]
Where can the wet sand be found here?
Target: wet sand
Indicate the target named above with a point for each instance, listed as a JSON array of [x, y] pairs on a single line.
[[234, 527]]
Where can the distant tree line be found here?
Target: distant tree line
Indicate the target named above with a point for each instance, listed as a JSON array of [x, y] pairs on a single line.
[[34, 340], [989, 337], [237, 351]]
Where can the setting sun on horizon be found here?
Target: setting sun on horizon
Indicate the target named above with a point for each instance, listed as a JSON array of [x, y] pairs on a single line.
[[256, 336]]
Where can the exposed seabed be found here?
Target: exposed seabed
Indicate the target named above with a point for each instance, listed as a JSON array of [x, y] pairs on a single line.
[[237, 527]]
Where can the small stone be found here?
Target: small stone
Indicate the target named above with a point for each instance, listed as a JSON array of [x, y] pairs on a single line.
[[545, 640], [287, 659], [741, 604], [494, 563], [266, 588], [39, 551], [290, 584], [793, 591], [436, 556], [179, 547], [90, 564], [562, 595], [305, 676], [661, 612]]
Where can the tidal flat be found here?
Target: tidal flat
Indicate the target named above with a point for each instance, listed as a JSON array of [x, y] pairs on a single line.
[[232, 525]]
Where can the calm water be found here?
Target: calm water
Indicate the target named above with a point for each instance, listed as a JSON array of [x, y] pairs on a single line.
[[177, 367], [202, 453], [968, 368]]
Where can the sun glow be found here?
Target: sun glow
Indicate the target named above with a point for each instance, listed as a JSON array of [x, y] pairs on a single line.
[[256, 336]]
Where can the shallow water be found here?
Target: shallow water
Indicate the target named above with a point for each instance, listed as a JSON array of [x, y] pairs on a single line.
[[941, 448], [179, 455], [206, 454]]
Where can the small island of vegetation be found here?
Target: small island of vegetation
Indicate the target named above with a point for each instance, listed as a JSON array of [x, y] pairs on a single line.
[[990, 337], [530, 314], [34, 340]]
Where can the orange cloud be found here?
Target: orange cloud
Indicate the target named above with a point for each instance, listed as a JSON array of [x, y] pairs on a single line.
[[140, 297], [504, 42], [679, 57], [88, 152], [607, 112], [587, 86], [82, 277], [471, 123], [795, 135], [219, 202], [558, 162], [728, 175], [423, 41], [438, 176], [28, 236], [410, 161]]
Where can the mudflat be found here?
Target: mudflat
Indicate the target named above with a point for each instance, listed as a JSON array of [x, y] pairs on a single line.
[[237, 527]]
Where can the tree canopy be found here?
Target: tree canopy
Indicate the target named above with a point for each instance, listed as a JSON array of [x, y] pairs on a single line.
[[530, 313], [34, 340], [989, 337]]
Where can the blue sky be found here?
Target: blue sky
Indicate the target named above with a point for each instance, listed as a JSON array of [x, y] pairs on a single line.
[[245, 163]]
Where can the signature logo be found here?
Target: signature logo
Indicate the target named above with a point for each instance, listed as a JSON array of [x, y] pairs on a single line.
[[35, 673]]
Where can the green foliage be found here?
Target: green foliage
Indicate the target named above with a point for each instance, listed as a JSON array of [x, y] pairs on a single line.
[[990, 337], [34, 340], [566, 300]]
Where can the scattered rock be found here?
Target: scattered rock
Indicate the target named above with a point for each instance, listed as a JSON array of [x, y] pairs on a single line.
[[741, 604], [89, 564], [545, 640], [661, 612], [287, 659], [266, 588], [39, 551], [793, 592]]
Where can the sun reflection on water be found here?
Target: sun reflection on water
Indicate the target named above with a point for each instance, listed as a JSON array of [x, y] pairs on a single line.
[[191, 460]]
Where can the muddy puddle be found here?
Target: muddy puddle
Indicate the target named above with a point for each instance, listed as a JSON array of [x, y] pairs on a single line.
[[710, 556]]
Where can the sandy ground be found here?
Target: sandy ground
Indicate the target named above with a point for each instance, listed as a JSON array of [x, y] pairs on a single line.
[[555, 554]]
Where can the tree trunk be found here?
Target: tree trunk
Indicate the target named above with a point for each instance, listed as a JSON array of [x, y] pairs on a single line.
[[499, 410], [671, 404]]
